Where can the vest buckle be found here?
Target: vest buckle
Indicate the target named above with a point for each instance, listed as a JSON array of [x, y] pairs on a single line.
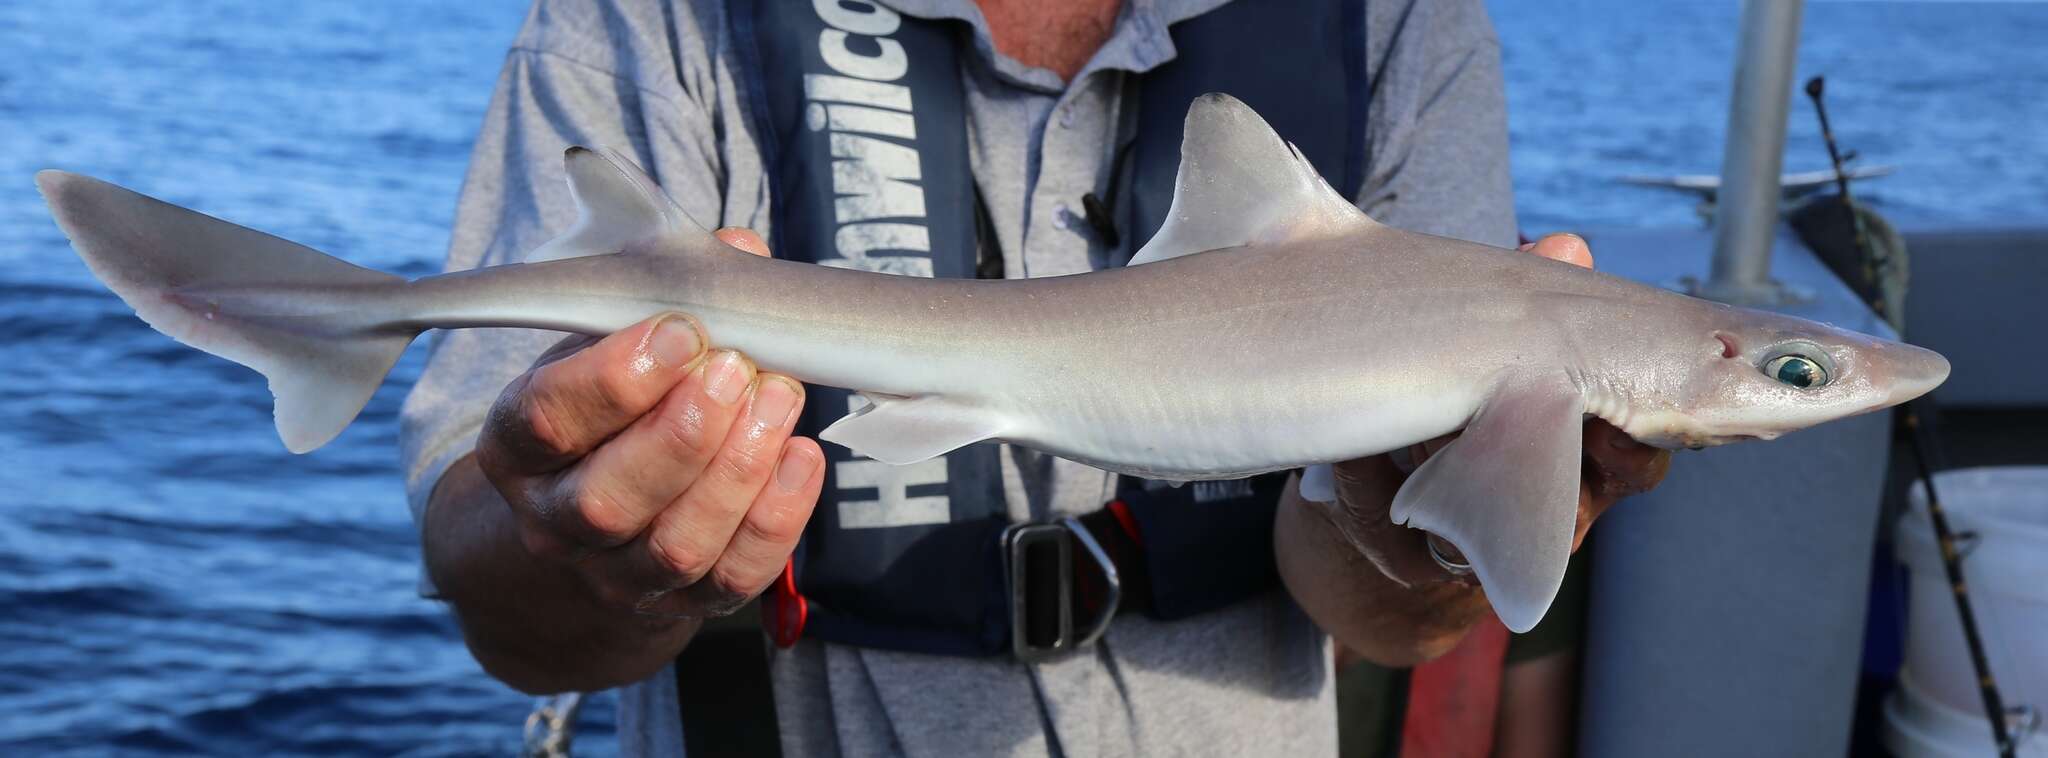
[[1038, 573]]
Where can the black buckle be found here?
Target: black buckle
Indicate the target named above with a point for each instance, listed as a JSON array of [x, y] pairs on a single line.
[[1042, 613]]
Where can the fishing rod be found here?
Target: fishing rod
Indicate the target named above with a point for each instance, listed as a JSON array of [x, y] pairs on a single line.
[[1864, 252], [1925, 451]]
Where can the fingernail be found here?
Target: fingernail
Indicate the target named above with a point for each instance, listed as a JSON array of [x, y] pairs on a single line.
[[726, 377], [795, 468], [775, 402], [1581, 253], [675, 341]]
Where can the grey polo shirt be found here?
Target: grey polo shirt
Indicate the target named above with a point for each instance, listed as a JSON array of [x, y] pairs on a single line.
[[656, 81]]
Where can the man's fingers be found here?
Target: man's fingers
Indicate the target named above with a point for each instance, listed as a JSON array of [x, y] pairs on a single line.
[[569, 346], [1365, 487], [752, 558], [613, 493], [1618, 466], [562, 410], [686, 539], [766, 534], [1570, 248], [1369, 479], [744, 239]]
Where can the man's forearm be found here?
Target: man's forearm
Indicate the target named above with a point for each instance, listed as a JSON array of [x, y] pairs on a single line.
[[1356, 603], [531, 623]]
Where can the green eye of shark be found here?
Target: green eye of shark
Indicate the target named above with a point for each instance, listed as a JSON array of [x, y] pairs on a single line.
[[1798, 371]]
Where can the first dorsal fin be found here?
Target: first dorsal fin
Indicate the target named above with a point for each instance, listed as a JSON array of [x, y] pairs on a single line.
[[1240, 184], [616, 205]]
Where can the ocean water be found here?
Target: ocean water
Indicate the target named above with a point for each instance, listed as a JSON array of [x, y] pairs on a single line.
[[171, 580], [1952, 93]]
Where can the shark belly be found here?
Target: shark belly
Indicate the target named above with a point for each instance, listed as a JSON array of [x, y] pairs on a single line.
[[1237, 443], [1181, 420]]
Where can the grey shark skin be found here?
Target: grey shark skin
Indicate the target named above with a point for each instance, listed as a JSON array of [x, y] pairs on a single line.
[[1268, 325]]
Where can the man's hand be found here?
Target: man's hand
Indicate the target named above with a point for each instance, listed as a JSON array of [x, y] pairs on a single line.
[[622, 489], [1423, 609], [1616, 466], [662, 472]]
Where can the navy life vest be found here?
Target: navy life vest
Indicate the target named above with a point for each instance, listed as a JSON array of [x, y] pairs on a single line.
[[861, 117]]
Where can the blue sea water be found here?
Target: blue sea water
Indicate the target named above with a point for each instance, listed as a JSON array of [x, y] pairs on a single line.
[[171, 580], [1953, 93]]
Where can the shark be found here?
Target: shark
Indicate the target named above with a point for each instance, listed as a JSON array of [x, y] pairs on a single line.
[[1268, 325]]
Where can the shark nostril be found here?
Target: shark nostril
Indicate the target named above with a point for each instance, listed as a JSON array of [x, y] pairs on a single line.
[[1728, 349]]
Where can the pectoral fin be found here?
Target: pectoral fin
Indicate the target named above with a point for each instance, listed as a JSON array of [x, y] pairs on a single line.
[[905, 430], [1506, 492]]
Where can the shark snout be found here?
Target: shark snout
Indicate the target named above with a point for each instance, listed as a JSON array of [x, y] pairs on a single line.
[[1916, 371]]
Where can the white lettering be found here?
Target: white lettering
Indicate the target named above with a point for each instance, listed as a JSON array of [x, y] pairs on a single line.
[[841, 89], [1209, 492], [887, 65], [893, 505], [857, 240], [898, 265], [856, 244], [873, 178], [858, 118], [874, 20]]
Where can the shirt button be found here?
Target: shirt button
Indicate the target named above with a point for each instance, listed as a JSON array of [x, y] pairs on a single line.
[[1067, 116], [1062, 216]]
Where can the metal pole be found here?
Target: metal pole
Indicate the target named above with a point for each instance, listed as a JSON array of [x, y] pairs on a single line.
[[1746, 212]]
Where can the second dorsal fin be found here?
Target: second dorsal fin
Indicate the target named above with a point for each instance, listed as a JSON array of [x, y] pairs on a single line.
[[616, 205], [1240, 184]]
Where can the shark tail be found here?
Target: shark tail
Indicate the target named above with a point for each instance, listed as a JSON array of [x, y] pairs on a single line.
[[300, 317]]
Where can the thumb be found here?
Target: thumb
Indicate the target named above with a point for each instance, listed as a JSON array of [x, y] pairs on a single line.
[[1570, 248], [744, 239]]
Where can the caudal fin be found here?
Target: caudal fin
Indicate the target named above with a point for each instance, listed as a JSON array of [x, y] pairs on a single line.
[[286, 310]]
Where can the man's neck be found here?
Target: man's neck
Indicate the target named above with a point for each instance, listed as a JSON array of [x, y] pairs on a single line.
[[1060, 35]]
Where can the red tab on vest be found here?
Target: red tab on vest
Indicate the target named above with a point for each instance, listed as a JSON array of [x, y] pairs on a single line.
[[1453, 700]]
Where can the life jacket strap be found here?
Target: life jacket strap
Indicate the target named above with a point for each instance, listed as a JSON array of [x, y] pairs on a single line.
[[1052, 587]]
